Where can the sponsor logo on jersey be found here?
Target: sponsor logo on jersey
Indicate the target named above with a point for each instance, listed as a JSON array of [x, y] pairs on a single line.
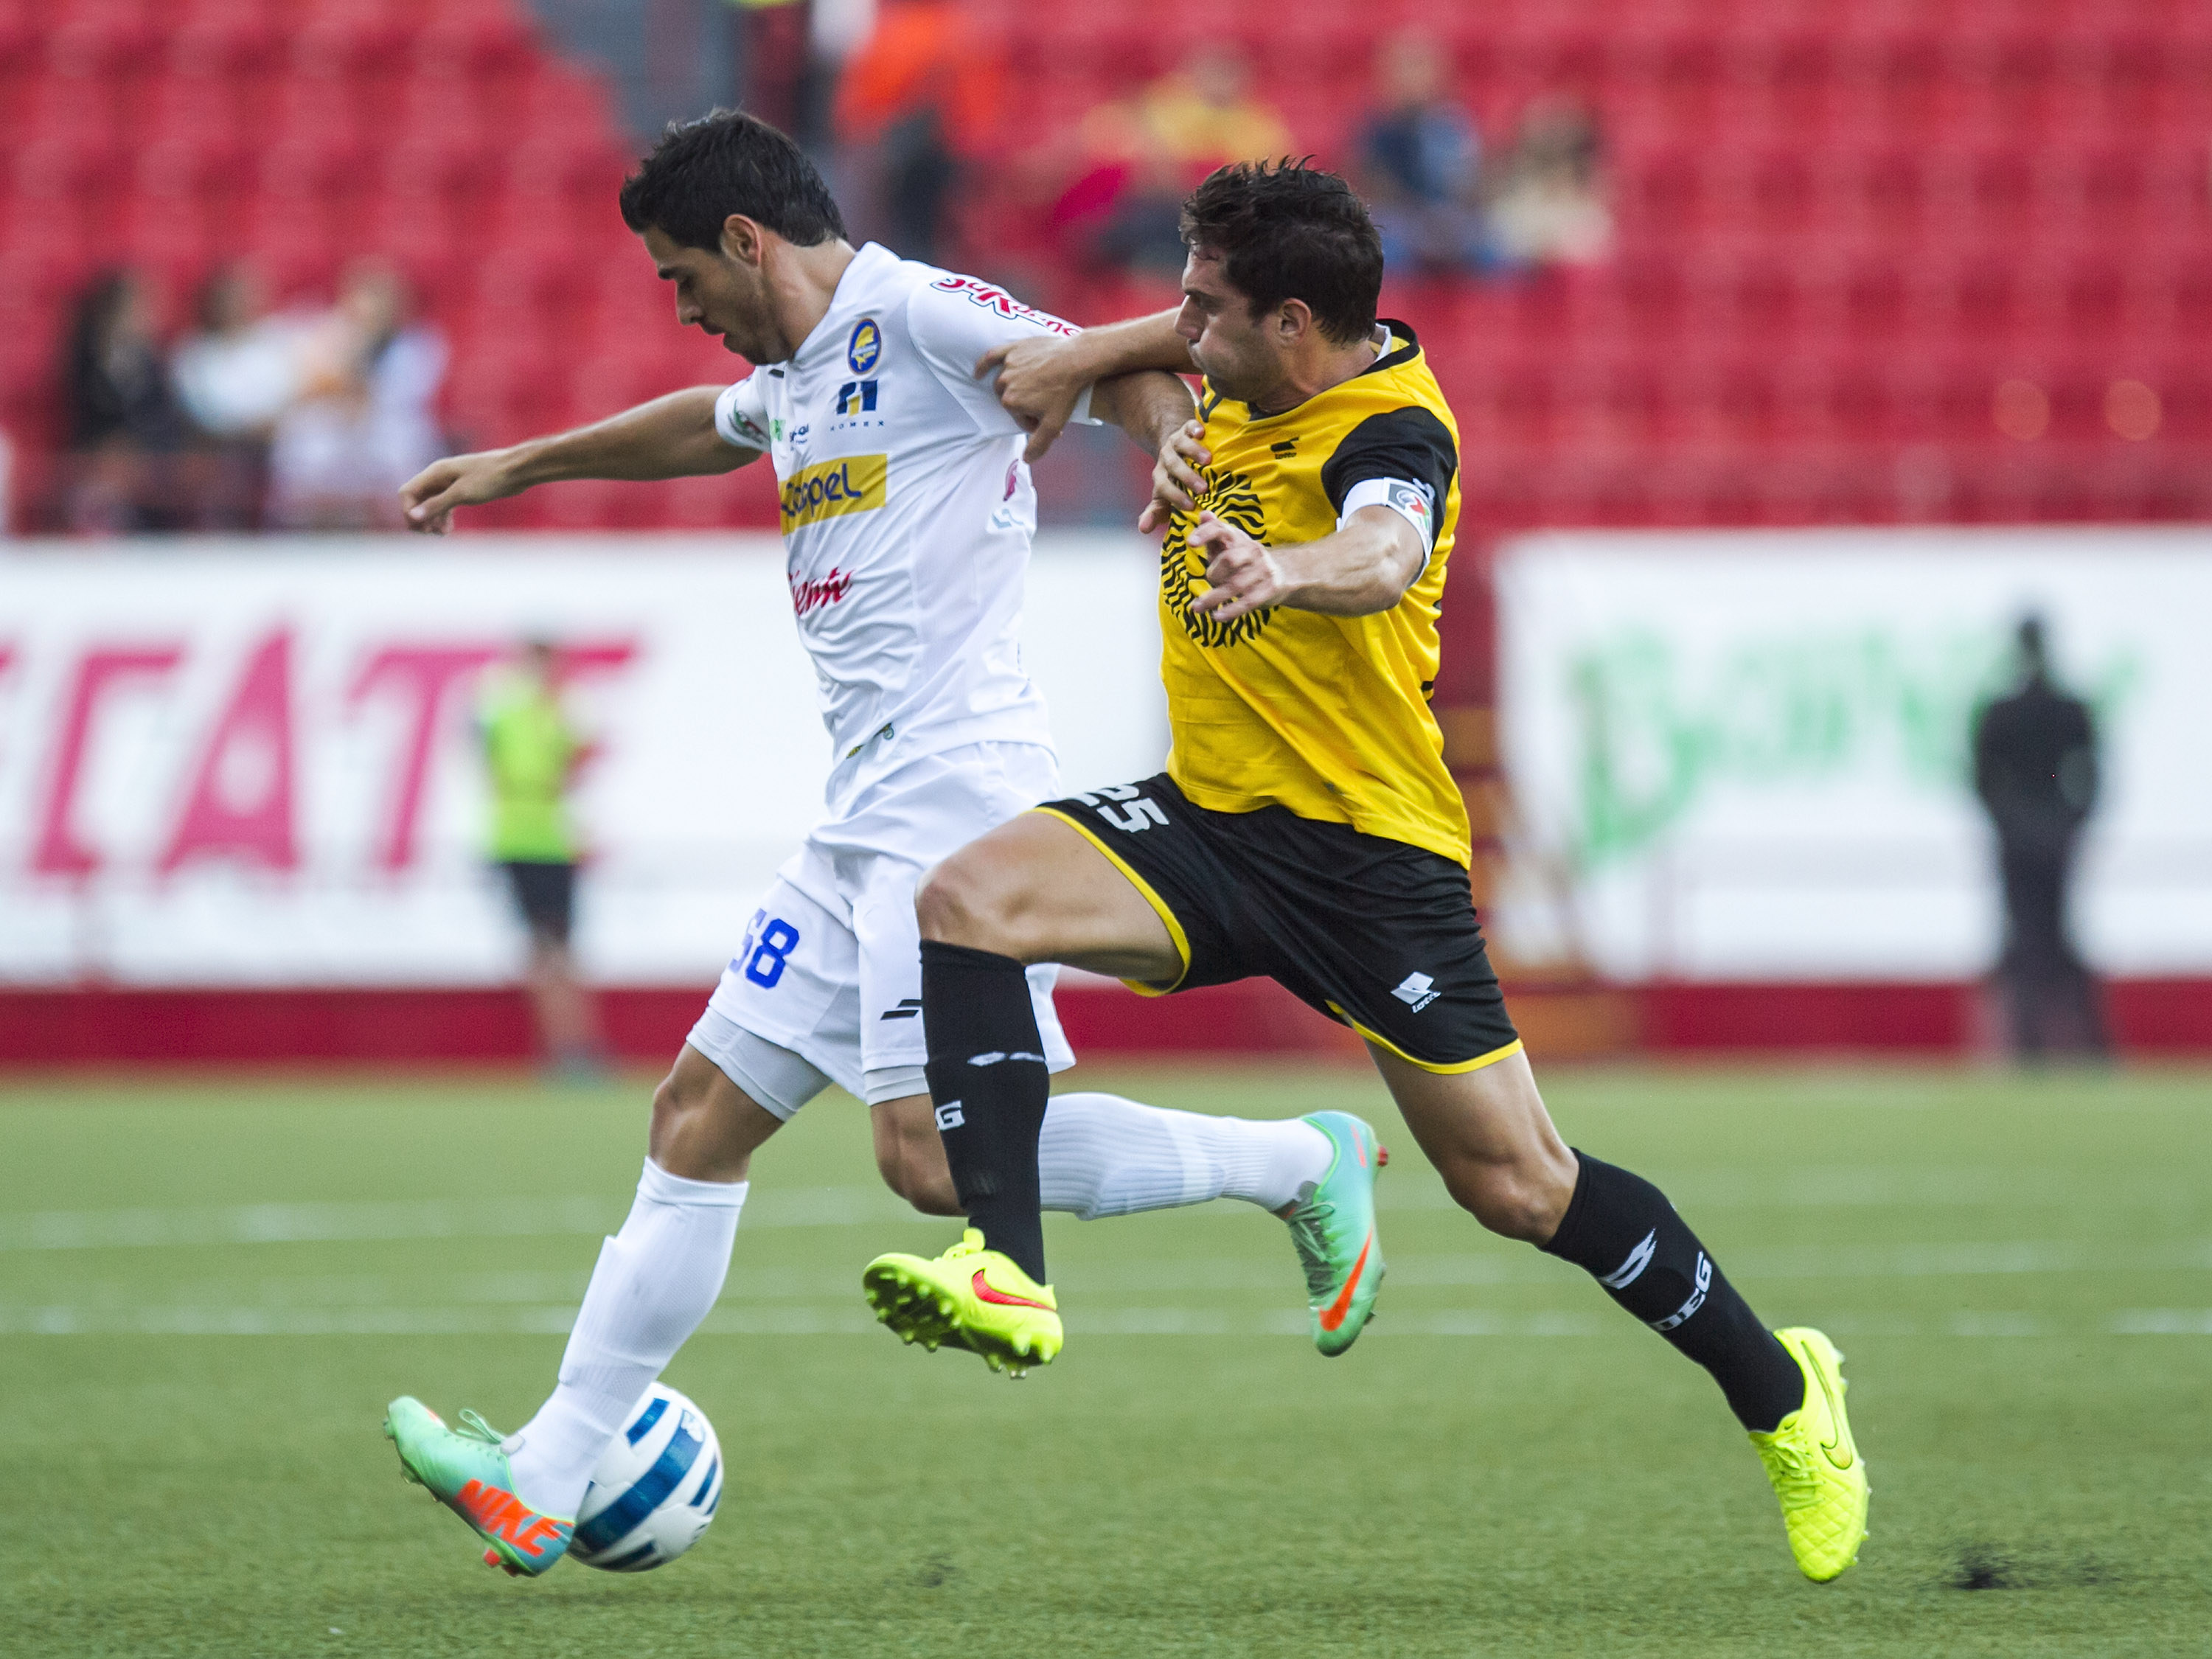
[[858, 483], [812, 592], [857, 397], [995, 299], [865, 349]]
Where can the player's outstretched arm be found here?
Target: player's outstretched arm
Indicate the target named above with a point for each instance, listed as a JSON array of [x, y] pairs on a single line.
[[1153, 408], [671, 437], [1363, 568], [1040, 378]]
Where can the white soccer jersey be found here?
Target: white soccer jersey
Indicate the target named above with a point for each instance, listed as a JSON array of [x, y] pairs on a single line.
[[908, 513]]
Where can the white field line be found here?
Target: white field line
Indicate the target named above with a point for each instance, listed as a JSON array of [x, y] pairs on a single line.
[[333, 1292], [352, 1223], [581, 1214], [843, 1319]]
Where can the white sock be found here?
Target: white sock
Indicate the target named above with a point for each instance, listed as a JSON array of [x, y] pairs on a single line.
[[655, 1281], [1101, 1155]]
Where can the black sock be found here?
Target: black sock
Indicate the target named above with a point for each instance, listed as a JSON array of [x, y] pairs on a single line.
[[988, 1078], [1621, 1230]]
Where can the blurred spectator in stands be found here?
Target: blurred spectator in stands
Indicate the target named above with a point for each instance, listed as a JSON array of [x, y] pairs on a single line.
[[2035, 770], [126, 435], [922, 93], [364, 423], [532, 753], [1549, 206], [1419, 161], [1141, 158], [235, 374]]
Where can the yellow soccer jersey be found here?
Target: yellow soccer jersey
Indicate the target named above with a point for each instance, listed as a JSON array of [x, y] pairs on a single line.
[[1328, 716]]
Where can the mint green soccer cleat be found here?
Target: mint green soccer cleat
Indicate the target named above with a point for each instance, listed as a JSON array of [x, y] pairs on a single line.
[[465, 1470], [1333, 1226]]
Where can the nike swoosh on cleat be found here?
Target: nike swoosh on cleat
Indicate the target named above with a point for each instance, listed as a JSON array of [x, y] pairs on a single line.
[[985, 1293], [1333, 1316], [1835, 1422]]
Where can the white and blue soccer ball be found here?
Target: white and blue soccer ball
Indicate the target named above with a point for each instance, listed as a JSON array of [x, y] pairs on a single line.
[[653, 1491]]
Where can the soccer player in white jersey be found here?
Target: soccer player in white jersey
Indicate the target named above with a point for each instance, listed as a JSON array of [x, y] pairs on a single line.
[[907, 514]]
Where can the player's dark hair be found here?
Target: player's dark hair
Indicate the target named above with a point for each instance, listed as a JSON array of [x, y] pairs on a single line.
[[1288, 231], [725, 162]]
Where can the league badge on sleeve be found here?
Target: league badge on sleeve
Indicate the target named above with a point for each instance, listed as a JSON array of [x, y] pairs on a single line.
[[865, 348]]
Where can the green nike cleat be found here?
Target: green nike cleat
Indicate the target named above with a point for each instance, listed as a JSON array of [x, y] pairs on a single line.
[[465, 1470], [1333, 1226]]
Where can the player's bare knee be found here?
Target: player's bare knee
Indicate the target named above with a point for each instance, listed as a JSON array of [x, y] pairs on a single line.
[[670, 1105], [1506, 1199], [683, 1138], [957, 902]]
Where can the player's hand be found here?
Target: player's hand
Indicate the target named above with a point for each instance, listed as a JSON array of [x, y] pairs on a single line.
[[1176, 482], [1038, 385], [1244, 574], [430, 497]]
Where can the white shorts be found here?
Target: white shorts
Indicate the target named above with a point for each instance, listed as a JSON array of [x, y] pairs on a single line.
[[827, 986]]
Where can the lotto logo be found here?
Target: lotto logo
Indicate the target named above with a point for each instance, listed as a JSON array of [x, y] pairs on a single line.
[[1417, 991], [860, 484]]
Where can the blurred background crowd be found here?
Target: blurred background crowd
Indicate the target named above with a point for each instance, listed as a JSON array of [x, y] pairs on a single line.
[[1677, 261]]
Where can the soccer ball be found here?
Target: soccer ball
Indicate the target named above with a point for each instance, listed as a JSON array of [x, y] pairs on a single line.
[[653, 1491]]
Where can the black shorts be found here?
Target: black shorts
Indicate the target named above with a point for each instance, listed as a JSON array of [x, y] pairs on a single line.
[[1378, 935], [546, 895]]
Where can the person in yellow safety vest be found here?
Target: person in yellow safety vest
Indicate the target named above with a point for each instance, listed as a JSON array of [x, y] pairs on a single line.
[[531, 751]]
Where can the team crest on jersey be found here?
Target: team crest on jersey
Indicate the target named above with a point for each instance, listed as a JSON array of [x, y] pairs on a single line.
[[1230, 498], [865, 349]]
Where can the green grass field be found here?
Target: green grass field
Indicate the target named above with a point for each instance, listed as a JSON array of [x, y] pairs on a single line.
[[208, 1291]]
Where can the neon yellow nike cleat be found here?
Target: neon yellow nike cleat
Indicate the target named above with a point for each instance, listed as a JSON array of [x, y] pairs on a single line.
[[969, 1297], [1814, 1464]]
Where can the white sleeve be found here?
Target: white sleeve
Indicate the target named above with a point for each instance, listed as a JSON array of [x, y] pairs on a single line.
[[741, 415], [1413, 502], [955, 320]]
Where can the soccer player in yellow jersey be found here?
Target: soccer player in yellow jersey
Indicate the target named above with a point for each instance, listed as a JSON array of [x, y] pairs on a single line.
[[1305, 828], [531, 753]]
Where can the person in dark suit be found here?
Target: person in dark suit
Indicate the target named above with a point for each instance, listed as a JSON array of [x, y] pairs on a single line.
[[2035, 770]]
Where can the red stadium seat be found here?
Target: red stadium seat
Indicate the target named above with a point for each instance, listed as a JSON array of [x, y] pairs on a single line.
[[103, 39], [1839, 227], [232, 38], [311, 184]]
